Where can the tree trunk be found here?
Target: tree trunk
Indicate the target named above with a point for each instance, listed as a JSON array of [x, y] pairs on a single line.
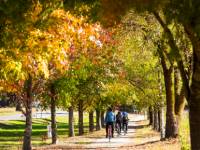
[[153, 118], [177, 86], [194, 103], [180, 104], [80, 118], [28, 104], [19, 106], [179, 96], [171, 124], [194, 92], [150, 116], [102, 119], [162, 123], [98, 120], [53, 115], [71, 121], [91, 121], [194, 114], [161, 108], [156, 123], [159, 119]]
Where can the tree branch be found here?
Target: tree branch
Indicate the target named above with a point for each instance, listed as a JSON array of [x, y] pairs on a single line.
[[162, 58], [135, 85], [175, 48]]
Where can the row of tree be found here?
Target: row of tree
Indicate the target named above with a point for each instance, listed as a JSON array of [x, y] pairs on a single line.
[[180, 23], [59, 58]]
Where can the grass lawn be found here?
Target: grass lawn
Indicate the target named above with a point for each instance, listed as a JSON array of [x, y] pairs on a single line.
[[185, 132], [11, 132]]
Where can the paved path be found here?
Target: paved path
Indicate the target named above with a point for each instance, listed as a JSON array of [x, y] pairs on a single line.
[[118, 141]]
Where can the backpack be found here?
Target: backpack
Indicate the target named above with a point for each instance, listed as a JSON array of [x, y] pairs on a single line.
[[125, 118], [119, 117]]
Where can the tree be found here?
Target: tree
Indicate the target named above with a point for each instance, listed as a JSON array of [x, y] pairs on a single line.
[[186, 18], [144, 26], [41, 52]]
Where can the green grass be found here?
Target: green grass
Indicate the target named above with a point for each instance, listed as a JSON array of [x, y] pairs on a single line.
[[11, 132], [184, 132]]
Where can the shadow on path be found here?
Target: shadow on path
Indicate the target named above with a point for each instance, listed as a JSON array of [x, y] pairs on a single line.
[[150, 142], [138, 126]]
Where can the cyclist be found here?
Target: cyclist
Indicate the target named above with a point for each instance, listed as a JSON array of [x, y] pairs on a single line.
[[125, 120], [119, 121], [109, 120]]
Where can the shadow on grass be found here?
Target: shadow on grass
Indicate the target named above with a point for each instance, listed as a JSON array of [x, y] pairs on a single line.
[[12, 130], [11, 125]]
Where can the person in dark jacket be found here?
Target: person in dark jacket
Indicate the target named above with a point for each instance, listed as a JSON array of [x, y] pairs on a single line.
[[125, 120], [109, 120], [119, 120]]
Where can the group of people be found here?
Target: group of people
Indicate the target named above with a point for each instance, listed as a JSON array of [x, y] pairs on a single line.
[[120, 120]]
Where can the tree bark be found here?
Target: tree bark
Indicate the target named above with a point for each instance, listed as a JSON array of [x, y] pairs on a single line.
[[102, 119], [156, 122], [162, 123], [18, 106], [153, 117], [179, 94], [28, 104], [194, 103], [159, 120], [71, 122], [80, 118], [98, 119], [180, 104], [91, 121], [53, 115], [194, 97], [161, 108], [150, 116], [171, 124]]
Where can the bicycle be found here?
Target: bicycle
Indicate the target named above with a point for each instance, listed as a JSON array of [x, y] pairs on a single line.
[[109, 132], [125, 128], [118, 128]]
